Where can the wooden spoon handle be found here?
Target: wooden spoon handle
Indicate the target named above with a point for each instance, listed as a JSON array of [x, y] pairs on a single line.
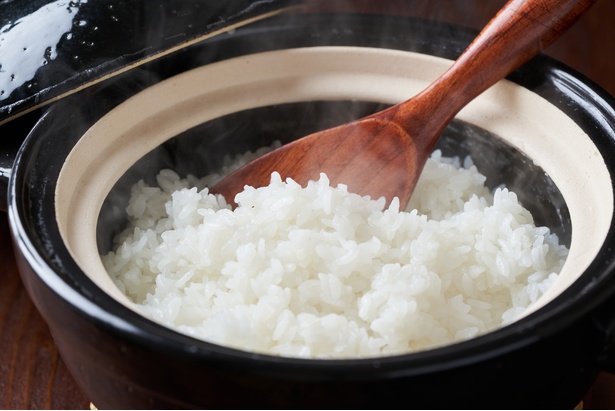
[[520, 30]]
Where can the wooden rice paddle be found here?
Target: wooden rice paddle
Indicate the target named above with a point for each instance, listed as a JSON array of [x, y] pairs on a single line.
[[383, 154]]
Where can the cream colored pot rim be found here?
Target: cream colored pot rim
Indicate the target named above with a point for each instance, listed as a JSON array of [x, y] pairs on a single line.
[[522, 118]]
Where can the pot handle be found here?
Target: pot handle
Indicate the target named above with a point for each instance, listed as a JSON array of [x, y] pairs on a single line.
[[13, 134]]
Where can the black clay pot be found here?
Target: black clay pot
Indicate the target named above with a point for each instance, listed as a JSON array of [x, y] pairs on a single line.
[[547, 359]]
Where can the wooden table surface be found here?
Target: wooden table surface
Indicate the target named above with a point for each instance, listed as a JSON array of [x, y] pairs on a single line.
[[32, 374]]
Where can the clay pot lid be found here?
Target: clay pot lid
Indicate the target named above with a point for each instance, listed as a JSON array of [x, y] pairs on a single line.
[[52, 48]]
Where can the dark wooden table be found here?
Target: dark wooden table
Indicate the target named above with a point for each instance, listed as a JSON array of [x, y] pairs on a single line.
[[32, 374]]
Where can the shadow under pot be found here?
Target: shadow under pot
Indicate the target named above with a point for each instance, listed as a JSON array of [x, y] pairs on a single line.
[[552, 157]]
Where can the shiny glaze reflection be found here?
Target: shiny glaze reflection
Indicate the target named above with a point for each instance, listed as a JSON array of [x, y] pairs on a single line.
[[24, 50]]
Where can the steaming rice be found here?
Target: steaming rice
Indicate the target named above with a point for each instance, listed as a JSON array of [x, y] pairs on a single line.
[[318, 272]]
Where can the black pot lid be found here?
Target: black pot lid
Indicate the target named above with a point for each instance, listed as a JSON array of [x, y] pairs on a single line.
[[49, 49]]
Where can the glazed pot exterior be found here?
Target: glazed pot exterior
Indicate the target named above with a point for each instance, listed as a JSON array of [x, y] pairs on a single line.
[[122, 360]]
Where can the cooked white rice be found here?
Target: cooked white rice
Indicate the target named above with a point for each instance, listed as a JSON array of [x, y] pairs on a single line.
[[318, 272]]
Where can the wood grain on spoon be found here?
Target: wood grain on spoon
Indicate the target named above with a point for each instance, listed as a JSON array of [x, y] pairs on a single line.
[[383, 154]]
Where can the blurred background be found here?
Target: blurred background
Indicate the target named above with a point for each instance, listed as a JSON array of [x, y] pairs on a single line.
[[32, 375]]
